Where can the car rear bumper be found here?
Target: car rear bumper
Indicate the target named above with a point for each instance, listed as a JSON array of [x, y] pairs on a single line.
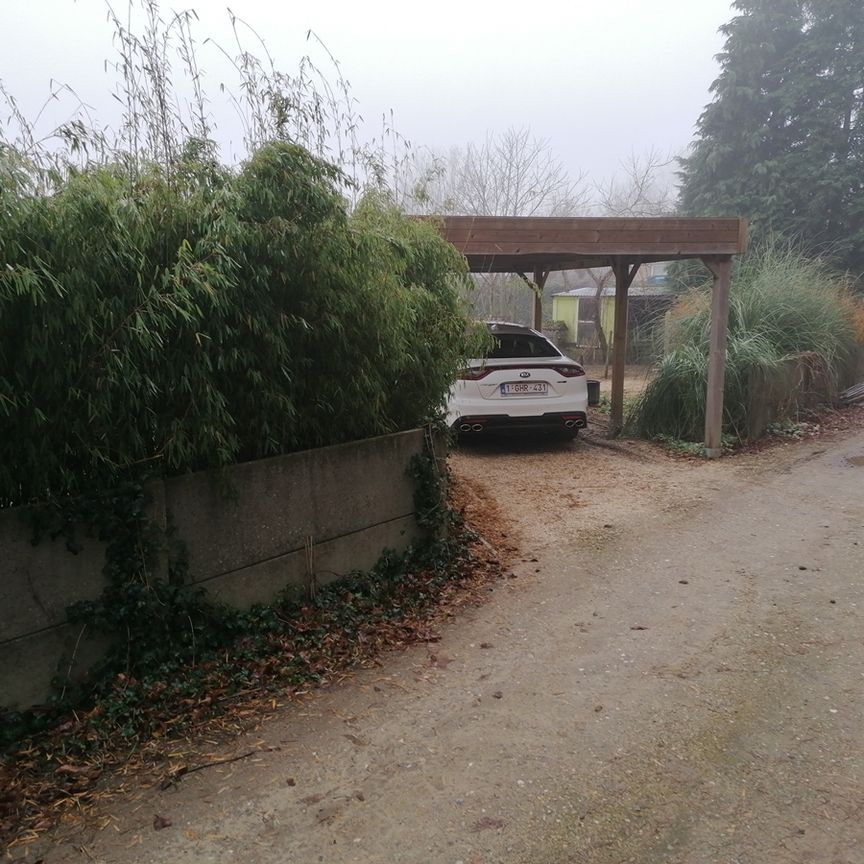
[[553, 420]]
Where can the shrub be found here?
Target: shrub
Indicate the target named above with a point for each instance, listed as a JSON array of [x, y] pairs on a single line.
[[782, 304], [158, 323]]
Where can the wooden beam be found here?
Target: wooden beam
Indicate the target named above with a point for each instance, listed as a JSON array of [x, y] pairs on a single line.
[[743, 232], [626, 236], [540, 277], [625, 272], [721, 269], [526, 263]]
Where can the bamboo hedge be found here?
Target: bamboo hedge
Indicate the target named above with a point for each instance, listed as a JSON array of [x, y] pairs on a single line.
[[159, 322]]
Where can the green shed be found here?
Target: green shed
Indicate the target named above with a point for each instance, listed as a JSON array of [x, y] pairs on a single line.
[[575, 308]]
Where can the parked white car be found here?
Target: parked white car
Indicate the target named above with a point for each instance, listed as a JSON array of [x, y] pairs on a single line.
[[523, 382]]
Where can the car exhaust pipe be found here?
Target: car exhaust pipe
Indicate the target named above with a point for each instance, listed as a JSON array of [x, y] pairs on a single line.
[[477, 427], [465, 427], [569, 423]]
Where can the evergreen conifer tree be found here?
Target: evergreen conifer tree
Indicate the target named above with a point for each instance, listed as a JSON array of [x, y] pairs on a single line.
[[782, 142]]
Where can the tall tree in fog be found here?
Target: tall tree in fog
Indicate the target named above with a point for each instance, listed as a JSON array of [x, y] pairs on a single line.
[[782, 142], [511, 173], [642, 187]]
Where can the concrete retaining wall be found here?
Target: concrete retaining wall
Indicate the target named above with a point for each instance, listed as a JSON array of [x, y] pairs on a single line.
[[347, 503]]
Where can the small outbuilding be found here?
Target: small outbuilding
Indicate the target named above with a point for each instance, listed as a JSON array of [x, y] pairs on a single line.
[[576, 309]]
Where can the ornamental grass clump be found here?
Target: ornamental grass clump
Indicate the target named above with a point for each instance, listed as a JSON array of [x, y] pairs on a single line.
[[782, 305]]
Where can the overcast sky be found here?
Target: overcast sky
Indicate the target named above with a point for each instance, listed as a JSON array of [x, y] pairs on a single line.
[[598, 78]]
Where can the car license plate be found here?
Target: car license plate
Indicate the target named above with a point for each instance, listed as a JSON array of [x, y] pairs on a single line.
[[524, 388]]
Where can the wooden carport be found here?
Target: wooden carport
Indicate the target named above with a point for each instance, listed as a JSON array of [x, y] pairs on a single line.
[[537, 245]]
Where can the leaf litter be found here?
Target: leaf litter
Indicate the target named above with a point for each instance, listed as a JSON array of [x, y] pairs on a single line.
[[63, 778]]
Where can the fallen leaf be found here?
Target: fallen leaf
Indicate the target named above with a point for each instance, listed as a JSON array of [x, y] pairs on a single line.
[[486, 645], [497, 694], [356, 739], [160, 822], [173, 777], [71, 769], [638, 627], [486, 822], [312, 799], [328, 813]]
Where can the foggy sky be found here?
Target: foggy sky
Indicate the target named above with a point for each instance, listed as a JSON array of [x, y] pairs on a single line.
[[599, 78]]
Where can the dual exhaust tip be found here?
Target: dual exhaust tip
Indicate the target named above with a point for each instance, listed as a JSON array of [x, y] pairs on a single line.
[[479, 427]]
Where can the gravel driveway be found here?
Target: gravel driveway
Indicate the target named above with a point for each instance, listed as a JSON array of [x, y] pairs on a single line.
[[675, 675]]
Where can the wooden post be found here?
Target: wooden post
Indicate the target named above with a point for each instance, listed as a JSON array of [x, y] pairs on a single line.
[[721, 269], [539, 280], [624, 274]]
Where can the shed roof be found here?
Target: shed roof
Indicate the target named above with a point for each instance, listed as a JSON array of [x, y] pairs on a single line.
[[609, 291]]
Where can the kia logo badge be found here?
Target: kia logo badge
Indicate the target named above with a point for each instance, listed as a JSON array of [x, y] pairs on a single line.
[[524, 374]]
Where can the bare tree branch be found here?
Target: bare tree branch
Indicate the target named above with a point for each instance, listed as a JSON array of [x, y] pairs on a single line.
[[643, 187], [510, 174]]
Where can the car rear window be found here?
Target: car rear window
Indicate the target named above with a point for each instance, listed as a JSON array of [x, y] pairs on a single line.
[[515, 345]]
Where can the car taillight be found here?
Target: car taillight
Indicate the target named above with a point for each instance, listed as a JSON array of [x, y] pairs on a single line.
[[475, 373], [569, 371]]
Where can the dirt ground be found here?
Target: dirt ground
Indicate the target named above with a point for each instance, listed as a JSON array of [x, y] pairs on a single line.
[[672, 674], [635, 378]]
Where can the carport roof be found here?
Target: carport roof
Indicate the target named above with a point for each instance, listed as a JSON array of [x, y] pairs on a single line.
[[524, 244]]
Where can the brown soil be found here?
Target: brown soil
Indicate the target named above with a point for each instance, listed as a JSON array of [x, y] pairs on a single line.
[[635, 378], [556, 494]]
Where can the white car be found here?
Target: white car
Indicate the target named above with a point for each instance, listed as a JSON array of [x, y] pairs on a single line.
[[523, 382]]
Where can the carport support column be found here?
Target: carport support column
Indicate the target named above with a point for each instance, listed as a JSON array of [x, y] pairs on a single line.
[[721, 269], [540, 276], [624, 274]]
